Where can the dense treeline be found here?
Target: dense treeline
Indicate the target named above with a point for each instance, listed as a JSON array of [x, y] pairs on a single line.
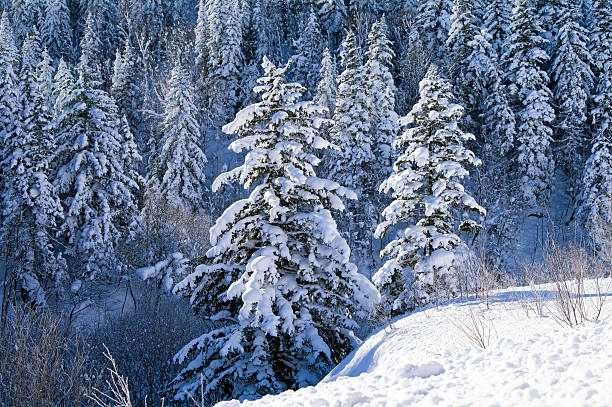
[[387, 139]]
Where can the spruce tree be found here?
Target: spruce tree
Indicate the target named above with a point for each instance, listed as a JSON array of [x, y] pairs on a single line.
[[307, 57], [25, 15], [531, 101], [573, 78], [95, 187], [497, 18], [9, 64], [381, 91], [55, 31], [352, 121], [462, 30], [487, 97], [63, 84], [225, 59], [9, 87], [176, 171], [92, 51], [31, 204], [433, 20], [355, 164], [126, 90], [430, 199], [327, 89], [201, 39], [332, 14], [596, 203], [601, 34], [278, 274]]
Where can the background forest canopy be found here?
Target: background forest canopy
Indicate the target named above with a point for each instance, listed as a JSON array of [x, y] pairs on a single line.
[[379, 146]]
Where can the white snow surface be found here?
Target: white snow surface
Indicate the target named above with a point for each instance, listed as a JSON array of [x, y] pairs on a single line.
[[423, 359]]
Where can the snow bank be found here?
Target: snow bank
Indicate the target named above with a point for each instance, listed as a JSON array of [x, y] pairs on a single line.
[[425, 360]]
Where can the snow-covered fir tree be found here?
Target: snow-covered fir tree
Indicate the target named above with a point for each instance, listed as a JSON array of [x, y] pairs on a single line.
[[327, 89], [201, 39], [487, 98], [92, 181], [433, 20], [225, 58], [31, 205], [91, 50], [430, 199], [278, 274], [462, 30], [55, 31], [573, 78], [601, 34], [497, 18], [495, 137], [9, 85], [332, 14], [63, 83], [176, 170], [126, 90], [354, 165], [25, 16], [306, 61], [531, 101], [596, 197], [381, 91]]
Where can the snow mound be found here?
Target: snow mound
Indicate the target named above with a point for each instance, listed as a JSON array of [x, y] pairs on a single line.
[[424, 359]]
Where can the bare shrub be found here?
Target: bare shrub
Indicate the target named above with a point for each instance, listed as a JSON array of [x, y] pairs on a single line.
[[118, 393], [476, 328], [534, 274], [174, 229], [569, 268], [477, 276], [145, 341], [40, 365]]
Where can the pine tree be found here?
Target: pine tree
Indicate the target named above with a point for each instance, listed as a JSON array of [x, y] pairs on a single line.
[[381, 91], [279, 274], [531, 100], [95, 187], [327, 90], [429, 197], [225, 59], [497, 23], [176, 172], [571, 71], [307, 58], [433, 20], [31, 205], [56, 32]]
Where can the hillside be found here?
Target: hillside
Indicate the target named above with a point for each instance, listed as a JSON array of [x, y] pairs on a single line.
[[424, 359]]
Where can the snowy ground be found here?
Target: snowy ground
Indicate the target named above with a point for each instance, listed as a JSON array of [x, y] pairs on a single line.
[[425, 359]]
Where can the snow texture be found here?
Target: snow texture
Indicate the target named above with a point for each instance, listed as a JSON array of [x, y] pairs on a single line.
[[423, 359]]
